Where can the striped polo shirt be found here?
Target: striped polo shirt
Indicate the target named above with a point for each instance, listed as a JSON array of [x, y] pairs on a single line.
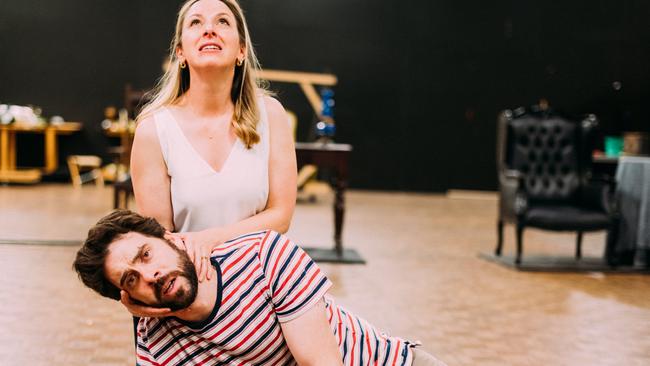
[[263, 279]]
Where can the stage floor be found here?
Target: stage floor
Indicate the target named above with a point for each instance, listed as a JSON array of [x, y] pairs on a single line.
[[423, 280]]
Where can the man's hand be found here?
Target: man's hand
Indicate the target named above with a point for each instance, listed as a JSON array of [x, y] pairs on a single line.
[[142, 310]]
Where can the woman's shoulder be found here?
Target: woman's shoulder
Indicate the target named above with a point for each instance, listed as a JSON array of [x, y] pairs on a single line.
[[271, 103], [146, 127], [277, 116], [147, 124]]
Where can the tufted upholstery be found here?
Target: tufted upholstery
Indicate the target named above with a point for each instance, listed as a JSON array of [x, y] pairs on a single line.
[[544, 165], [545, 151]]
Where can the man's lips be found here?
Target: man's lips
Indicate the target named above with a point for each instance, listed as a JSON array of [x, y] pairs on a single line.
[[170, 286]]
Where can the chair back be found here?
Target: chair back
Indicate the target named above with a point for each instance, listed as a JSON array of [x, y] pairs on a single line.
[[546, 150], [134, 99]]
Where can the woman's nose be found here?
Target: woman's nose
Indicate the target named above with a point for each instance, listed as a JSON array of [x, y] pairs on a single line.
[[209, 29]]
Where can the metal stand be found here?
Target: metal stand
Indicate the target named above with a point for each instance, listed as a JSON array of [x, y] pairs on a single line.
[[348, 256]]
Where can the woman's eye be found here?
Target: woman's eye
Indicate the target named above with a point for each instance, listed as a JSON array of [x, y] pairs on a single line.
[[146, 254], [223, 21], [194, 22]]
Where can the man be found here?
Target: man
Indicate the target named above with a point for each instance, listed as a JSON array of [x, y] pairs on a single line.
[[265, 304]]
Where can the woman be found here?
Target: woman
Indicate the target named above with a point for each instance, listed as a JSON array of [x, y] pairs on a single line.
[[213, 156]]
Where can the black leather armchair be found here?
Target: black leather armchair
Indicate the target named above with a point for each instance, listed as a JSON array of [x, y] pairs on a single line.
[[544, 171]]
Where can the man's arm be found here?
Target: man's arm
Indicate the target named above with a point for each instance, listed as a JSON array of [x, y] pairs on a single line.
[[310, 338]]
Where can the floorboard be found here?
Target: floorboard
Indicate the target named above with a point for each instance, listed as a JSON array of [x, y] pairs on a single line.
[[423, 280]]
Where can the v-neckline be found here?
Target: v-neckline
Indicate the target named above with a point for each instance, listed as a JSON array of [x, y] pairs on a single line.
[[196, 153]]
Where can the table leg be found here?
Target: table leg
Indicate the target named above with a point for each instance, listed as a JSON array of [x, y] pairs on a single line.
[[338, 254], [12, 151], [339, 212], [4, 150], [51, 155]]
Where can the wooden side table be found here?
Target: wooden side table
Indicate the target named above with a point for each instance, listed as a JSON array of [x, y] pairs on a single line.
[[336, 158]]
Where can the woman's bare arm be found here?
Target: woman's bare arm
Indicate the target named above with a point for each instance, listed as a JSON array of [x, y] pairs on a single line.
[[151, 183]]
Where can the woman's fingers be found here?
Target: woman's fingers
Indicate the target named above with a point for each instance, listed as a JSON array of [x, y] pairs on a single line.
[[208, 266], [200, 264], [204, 265], [190, 248], [198, 251], [176, 240]]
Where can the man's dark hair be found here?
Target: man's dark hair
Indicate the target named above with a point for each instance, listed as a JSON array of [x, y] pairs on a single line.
[[89, 263]]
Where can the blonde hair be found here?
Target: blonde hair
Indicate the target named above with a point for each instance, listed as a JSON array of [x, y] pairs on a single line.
[[245, 87]]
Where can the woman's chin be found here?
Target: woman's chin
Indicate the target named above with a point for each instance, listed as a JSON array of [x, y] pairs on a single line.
[[213, 65]]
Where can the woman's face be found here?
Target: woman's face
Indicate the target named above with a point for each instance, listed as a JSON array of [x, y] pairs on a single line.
[[209, 37]]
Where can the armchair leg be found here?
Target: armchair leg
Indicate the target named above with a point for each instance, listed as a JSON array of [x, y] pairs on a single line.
[[497, 251], [610, 245], [579, 246], [520, 234]]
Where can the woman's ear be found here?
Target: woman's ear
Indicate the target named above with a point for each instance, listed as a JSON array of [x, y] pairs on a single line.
[[242, 53]]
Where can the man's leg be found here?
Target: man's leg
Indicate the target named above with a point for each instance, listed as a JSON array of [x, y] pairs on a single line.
[[423, 358]]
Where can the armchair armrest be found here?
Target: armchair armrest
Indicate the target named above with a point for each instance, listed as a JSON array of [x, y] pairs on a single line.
[[599, 194], [512, 193]]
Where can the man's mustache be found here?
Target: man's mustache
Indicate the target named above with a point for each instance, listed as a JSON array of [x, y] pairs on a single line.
[[161, 281]]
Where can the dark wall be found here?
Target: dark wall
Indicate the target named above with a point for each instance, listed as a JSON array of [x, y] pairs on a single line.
[[420, 82]]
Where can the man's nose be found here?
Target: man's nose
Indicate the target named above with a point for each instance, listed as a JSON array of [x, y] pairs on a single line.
[[150, 275]]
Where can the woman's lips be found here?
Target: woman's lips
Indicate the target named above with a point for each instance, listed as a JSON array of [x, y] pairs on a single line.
[[210, 47]]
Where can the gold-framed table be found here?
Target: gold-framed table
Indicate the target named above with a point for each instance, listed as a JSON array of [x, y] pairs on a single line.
[[9, 172]]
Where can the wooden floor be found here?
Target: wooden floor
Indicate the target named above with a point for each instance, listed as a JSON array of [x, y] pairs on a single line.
[[423, 280]]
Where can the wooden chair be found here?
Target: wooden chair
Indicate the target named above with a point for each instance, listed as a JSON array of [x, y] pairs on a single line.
[[84, 168], [123, 190]]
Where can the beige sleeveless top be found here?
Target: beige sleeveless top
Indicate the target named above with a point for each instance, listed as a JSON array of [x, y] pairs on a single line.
[[203, 198]]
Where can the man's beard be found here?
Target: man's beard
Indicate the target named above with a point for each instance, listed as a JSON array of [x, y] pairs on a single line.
[[184, 296]]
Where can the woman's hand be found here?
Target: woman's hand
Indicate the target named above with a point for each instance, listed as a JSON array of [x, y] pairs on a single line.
[[198, 245]]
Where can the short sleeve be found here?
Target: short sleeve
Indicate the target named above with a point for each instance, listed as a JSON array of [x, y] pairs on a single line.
[[295, 282]]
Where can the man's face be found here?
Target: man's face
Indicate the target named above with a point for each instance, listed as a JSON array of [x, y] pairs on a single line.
[[152, 271]]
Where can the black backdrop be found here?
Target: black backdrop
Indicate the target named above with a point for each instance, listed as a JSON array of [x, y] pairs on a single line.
[[420, 82]]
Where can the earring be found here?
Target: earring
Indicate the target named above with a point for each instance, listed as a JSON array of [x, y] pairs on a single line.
[[240, 62], [183, 64]]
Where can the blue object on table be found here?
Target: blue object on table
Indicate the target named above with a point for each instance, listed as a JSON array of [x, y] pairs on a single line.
[[327, 109], [325, 128]]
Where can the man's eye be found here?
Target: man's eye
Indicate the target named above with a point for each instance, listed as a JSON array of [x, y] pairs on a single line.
[[130, 281], [146, 254]]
